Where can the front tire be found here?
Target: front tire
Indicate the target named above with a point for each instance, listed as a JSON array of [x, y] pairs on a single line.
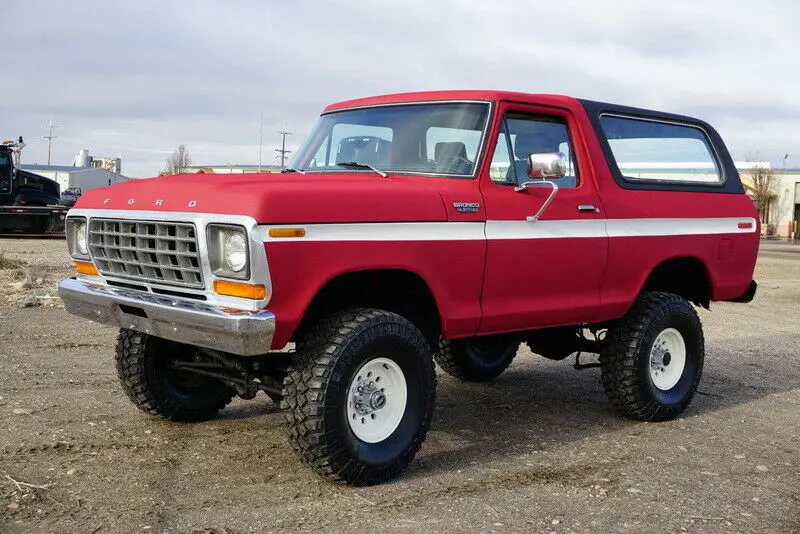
[[144, 367], [477, 359], [359, 398], [653, 361]]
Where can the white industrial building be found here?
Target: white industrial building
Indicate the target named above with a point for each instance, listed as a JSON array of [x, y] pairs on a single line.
[[231, 169], [784, 210], [85, 172]]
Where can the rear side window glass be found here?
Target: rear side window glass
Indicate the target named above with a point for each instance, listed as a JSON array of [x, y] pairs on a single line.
[[652, 151]]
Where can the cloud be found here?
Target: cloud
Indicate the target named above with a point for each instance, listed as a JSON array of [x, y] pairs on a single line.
[[135, 79]]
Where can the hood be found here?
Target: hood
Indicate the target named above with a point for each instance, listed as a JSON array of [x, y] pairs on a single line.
[[279, 198]]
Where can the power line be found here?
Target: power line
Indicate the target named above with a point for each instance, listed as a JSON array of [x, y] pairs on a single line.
[[50, 125], [260, 137], [282, 152]]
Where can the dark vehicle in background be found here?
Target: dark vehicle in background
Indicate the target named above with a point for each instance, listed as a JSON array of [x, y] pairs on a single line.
[[70, 196], [29, 203]]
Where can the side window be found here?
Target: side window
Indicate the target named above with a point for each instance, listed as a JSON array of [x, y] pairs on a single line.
[[522, 135], [651, 151], [500, 169], [5, 173]]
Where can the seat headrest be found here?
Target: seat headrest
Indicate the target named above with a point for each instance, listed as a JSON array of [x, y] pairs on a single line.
[[347, 152], [447, 150], [526, 144]]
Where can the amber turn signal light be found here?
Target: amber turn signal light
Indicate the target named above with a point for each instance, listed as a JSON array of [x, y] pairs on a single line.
[[236, 289], [287, 232], [82, 267]]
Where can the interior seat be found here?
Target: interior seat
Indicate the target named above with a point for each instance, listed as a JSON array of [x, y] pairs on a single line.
[[451, 157]]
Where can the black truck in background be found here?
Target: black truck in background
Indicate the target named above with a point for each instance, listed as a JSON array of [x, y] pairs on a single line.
[[29, 203]]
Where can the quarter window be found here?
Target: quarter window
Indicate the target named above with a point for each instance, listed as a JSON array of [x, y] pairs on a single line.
[[651, 151]]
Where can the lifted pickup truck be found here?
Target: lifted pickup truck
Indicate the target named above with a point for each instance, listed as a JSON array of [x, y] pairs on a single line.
[[445, 227]]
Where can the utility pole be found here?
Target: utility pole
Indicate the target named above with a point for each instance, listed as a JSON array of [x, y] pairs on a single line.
[[260, 137], [50, 137], [282, 150]]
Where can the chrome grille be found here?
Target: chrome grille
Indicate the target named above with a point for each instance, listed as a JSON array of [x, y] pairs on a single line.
[[149, 251]]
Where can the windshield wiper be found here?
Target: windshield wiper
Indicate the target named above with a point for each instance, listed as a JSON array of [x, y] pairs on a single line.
[[357, 165], [289, 169]]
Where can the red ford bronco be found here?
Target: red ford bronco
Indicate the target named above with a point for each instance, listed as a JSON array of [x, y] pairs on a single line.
[[445, 227]]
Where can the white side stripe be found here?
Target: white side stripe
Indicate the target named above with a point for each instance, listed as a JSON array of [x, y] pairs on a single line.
[[495, 230], [418, 231], [661, 227], [586, 228]]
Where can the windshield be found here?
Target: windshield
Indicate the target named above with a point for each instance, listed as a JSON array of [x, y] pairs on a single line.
[[5, 172], [439, 139]]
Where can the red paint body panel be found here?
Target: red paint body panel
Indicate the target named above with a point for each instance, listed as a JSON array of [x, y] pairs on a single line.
[[280, 198], [434, 96], [453, 271], [532, 283], [631, 259]]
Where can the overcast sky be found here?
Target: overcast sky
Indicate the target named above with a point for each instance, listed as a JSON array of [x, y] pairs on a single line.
[[134, 79]]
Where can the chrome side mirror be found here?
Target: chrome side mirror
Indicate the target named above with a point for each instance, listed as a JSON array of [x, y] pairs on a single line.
[[547, 165]]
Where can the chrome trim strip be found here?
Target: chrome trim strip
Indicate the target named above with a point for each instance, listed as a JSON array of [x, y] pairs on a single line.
[[412, 102], [183, 320]]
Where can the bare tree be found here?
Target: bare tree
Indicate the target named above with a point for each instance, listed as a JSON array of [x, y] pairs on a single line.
[[179, 162], [763, 182]]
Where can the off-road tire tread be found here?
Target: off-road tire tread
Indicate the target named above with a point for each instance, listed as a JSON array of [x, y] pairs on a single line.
[[619, 358], [453, 363], [304, 393], [129, 355]]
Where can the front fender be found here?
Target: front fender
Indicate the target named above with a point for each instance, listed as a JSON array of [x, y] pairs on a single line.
[[451, 268]]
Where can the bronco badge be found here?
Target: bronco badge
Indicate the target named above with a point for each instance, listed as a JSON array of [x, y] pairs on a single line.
[[467, 207]]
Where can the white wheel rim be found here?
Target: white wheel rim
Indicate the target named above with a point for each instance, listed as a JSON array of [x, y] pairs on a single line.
[[667, 359], [376, 400]]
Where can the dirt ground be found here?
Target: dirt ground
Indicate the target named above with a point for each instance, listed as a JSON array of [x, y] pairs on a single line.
[[537, 450]]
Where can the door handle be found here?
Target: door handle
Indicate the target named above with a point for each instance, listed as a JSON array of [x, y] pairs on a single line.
[[588, 207]]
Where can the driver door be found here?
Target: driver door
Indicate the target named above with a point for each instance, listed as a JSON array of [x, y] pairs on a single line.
[[543, 272]]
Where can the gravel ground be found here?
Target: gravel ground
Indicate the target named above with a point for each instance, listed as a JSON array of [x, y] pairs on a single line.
[[537, 450]]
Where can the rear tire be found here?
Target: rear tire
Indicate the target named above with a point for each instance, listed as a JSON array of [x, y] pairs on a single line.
[[359, 398], [477, 359], [145, 372], [653, 361]]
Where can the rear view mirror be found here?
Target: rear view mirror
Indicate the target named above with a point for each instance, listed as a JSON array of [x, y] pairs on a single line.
[[547, 165]]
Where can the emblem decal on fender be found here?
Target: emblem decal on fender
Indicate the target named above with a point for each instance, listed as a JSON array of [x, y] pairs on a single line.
[[192, 203], [131, 201], [159, 202], [107, 201], [467, 207]]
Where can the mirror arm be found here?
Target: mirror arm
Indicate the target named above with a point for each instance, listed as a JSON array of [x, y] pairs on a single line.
[[525, 185]]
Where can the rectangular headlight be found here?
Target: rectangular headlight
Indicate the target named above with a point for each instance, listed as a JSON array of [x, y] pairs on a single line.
[[77, 231], [228, 251]]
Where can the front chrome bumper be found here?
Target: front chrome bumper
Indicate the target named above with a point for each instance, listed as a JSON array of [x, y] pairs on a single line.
[[178, 319]]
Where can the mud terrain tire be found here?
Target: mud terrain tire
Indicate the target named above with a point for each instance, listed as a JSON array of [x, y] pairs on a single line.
[[144, 369], [477, 359], [328, 417], [653, 361]]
